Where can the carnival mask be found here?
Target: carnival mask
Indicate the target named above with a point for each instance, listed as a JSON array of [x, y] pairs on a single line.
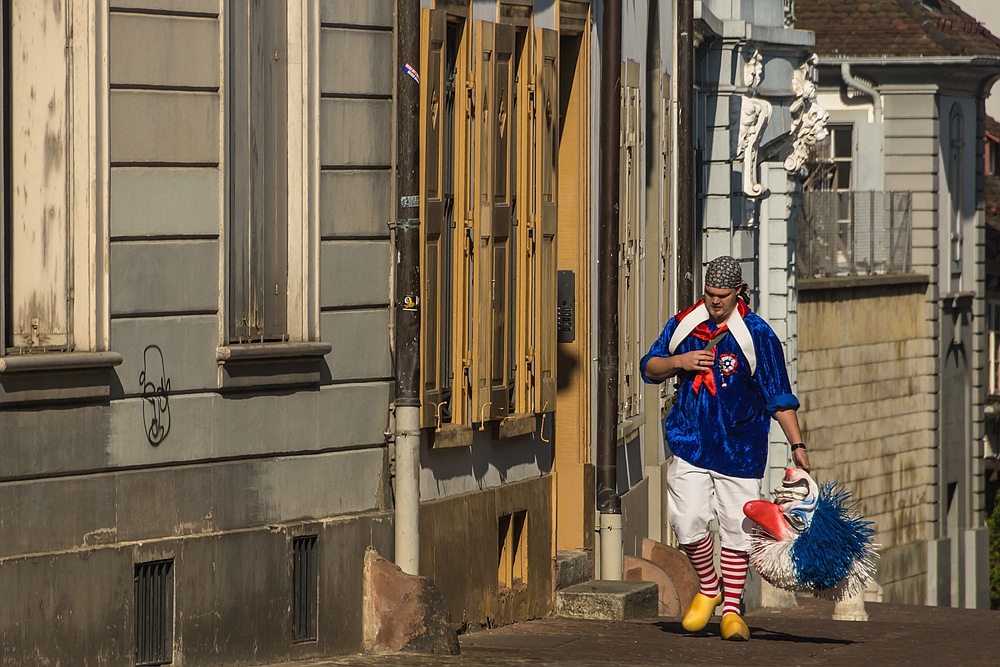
[[810, 540]]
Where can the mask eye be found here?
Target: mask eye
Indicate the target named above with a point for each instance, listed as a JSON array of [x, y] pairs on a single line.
[[796, 520]]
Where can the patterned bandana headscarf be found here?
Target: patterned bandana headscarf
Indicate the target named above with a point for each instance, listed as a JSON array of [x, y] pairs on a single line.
[[723, 273]]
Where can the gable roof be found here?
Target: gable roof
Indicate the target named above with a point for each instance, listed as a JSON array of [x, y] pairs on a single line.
[[894, 28]]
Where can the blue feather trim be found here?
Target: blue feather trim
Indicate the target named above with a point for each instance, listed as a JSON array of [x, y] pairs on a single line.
[[836, 542]]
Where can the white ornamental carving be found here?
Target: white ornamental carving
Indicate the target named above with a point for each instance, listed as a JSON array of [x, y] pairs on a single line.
[[754, 114], [808, 118]]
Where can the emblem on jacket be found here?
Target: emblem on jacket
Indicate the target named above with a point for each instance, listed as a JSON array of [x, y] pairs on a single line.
[[728, 363]]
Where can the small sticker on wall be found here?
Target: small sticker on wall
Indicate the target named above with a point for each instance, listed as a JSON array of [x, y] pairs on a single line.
[[409, 201], [409, 69]]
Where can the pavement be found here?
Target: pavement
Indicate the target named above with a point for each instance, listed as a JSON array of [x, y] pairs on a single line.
[[894, 635]]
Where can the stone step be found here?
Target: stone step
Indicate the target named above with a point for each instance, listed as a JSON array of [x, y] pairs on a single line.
[[573, 566], [608, 600]]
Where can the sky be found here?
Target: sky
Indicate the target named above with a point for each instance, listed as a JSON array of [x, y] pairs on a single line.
[[987, 12]]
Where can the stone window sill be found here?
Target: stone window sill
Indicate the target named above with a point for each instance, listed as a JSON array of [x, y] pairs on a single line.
[[56, 376], [271, 364]]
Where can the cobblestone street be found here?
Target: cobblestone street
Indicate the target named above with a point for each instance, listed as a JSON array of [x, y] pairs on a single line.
[[895, 635]]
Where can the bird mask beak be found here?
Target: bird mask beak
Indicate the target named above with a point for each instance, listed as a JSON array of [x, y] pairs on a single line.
[[771, 518]]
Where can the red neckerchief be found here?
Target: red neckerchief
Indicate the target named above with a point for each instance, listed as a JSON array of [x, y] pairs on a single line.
[[702, 332]]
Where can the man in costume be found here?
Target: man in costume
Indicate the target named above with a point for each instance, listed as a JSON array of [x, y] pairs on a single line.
[[732, 381]]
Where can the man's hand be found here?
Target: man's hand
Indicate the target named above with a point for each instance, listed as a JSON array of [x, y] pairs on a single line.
[[659, 369], [698, 360], [801, 459]]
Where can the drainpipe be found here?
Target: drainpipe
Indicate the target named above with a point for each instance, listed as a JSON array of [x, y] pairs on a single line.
[[685, 153], [407, 290], [608, 503], [845, 74]]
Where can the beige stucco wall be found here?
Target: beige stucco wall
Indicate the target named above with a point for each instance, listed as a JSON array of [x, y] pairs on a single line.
[[866, 385]]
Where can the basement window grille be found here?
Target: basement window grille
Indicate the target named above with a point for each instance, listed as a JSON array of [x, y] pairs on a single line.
[[154, 612], [305, 588]]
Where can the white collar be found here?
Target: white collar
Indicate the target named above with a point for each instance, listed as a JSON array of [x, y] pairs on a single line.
[[735, 324]]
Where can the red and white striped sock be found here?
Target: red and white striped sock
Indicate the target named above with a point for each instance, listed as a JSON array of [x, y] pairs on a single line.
[[734, 576], [701, 554]]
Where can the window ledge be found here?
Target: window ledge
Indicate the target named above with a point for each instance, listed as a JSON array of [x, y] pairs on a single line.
[[847, 282], [54, 361], [271, 364], [56, 376], [272, 351]]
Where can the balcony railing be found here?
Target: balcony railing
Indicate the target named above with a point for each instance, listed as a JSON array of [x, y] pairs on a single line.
[[846, 233]]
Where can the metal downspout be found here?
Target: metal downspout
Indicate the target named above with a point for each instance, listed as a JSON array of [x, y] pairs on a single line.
[[685, 154], [849, 80], [407, 291], [608, 501]]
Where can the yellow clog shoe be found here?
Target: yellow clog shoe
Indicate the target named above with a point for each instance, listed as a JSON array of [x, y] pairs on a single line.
[[700, 610], [734, 629]]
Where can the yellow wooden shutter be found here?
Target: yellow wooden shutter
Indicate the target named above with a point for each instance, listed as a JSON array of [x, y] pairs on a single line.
[[546, 222], [432, 57], [464, 241], [503, 174], [481, 301]]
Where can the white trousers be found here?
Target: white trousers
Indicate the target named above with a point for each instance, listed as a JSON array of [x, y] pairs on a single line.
[[696, 495]]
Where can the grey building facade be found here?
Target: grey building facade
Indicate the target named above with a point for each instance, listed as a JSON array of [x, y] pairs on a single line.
[[196, 372]]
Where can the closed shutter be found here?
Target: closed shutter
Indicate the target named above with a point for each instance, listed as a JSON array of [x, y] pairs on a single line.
[[504, 172], [258, 257], [432, 42], [481, 292], [40, 296], [629, 268], [546, 219]]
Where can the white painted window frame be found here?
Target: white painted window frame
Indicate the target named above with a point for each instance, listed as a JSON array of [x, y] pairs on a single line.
[[86, 169], [303, 21]]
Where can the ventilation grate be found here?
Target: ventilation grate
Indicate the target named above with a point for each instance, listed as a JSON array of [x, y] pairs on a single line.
[[305, 588], [154, 612]]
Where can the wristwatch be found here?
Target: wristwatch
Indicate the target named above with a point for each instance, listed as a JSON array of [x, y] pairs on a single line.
[[798, 445]]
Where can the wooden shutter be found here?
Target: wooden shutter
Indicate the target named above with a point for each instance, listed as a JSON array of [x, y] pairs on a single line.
[[464, 240], [504, 172], [629, 268], [258, 267], [433, 28], [40, 298], [480, 303], [546, 217]]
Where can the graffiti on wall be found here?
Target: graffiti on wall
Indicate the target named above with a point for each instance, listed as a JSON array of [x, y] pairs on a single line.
[[156, 401]]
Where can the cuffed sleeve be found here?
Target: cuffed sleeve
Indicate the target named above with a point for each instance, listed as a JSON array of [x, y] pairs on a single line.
[[781, 402], [658, 349], [772, 374]]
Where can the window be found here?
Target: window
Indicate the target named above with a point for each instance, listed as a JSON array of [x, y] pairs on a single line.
[[489, 146], [512, 546], [55, 193], [956, 184], [258, 168]]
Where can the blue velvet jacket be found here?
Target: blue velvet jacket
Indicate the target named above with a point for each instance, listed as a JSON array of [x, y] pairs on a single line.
[[726, 432]]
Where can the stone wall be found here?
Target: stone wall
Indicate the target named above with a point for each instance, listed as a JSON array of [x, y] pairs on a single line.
[[866, 382]]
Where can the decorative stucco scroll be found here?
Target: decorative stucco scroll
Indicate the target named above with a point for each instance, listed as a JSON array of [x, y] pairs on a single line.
[[808, 118], [754, 114], [788, 8]]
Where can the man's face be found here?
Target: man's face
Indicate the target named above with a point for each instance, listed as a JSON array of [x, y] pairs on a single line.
[[720, 303]]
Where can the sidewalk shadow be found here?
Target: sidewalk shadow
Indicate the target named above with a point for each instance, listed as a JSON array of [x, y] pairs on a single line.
[[763, 634]]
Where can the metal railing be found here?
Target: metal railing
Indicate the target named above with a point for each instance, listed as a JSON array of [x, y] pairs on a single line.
[[856, 232]]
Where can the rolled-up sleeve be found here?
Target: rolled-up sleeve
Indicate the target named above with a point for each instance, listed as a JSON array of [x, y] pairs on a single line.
[[772, 375], [658, 349]]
